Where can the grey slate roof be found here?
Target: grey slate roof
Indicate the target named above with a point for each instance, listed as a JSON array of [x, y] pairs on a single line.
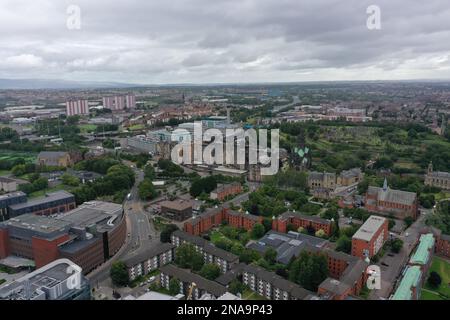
[[149, 253], [189, 277]]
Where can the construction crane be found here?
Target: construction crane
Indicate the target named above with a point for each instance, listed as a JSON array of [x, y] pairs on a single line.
[[190, 291]]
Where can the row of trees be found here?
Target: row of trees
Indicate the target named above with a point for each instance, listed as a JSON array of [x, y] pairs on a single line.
[[117, 181]]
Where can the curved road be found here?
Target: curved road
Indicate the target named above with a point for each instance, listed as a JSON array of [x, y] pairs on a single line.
[[140, 233]]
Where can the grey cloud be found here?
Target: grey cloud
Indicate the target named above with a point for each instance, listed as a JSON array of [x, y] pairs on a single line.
[[224, 40]]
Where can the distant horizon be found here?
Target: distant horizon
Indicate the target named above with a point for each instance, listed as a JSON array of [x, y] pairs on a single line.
[[83, 84]]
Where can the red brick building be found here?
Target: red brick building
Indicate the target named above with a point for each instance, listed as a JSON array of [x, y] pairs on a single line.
[[442, 245], [203, 223], [298, 220], [88, 235], [241, 220], [347, 274], [387, 201], [370, 237], [226, 190]]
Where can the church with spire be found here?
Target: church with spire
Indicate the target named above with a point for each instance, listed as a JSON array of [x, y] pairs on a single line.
[[386, 201]]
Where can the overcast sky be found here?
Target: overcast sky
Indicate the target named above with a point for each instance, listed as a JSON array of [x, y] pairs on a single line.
[[211, 41]]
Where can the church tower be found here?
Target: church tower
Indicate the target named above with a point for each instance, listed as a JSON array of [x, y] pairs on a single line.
[[430, 167], [385, 185]]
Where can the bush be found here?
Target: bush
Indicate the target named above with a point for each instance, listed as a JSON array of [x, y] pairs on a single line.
[[166, 233], [210, 271], [434, 279], [119, 273], [396, 245]]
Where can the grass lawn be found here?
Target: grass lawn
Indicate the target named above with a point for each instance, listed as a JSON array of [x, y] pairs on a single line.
[[442, 267], [136, 127], [85, 128], [216, 235], [250, 295], [429, 295], [12, 155], [5, 172]]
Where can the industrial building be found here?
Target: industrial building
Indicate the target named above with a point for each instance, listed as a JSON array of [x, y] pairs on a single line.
[[88, 235]]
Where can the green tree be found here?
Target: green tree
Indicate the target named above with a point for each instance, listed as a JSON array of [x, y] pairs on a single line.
[[396, 245], [18, 170], [186, 256], [434, 279], [147, 190], [119, 273], [70, 180], [344, 244], [236, 287], [174, 287], [210, 271], [409, 221], [257, 231], [166, 233], [309, 270], [149, 172], [270, 255]]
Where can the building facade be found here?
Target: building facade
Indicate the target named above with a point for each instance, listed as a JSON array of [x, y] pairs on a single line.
[[225, 190], [370, 237], [88, 235], [190, 283], [77, 107], [437, 179], [150, 260], [211, 254], [205, 222], [298, 220], [387, 201], [59, 280], [52, 203], [178, 210], [54, 159]]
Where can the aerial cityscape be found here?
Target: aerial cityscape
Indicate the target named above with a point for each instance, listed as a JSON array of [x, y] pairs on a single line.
[[209, 172]]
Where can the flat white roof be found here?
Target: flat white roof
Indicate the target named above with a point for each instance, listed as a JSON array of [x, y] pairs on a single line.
[[368, 229]]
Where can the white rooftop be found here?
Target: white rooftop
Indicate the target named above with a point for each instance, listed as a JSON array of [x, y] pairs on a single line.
[[368, 229]]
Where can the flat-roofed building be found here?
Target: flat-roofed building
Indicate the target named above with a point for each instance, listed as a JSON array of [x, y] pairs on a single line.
[[178, 210], [52, 203], [9, 199], [370, 237], [59, 280], [88, 235]]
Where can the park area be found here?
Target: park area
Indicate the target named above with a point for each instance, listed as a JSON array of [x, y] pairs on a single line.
[[442, 267], [8, 159]]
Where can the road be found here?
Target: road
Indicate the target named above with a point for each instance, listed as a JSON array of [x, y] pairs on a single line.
[[142, 234], [392, 264]]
